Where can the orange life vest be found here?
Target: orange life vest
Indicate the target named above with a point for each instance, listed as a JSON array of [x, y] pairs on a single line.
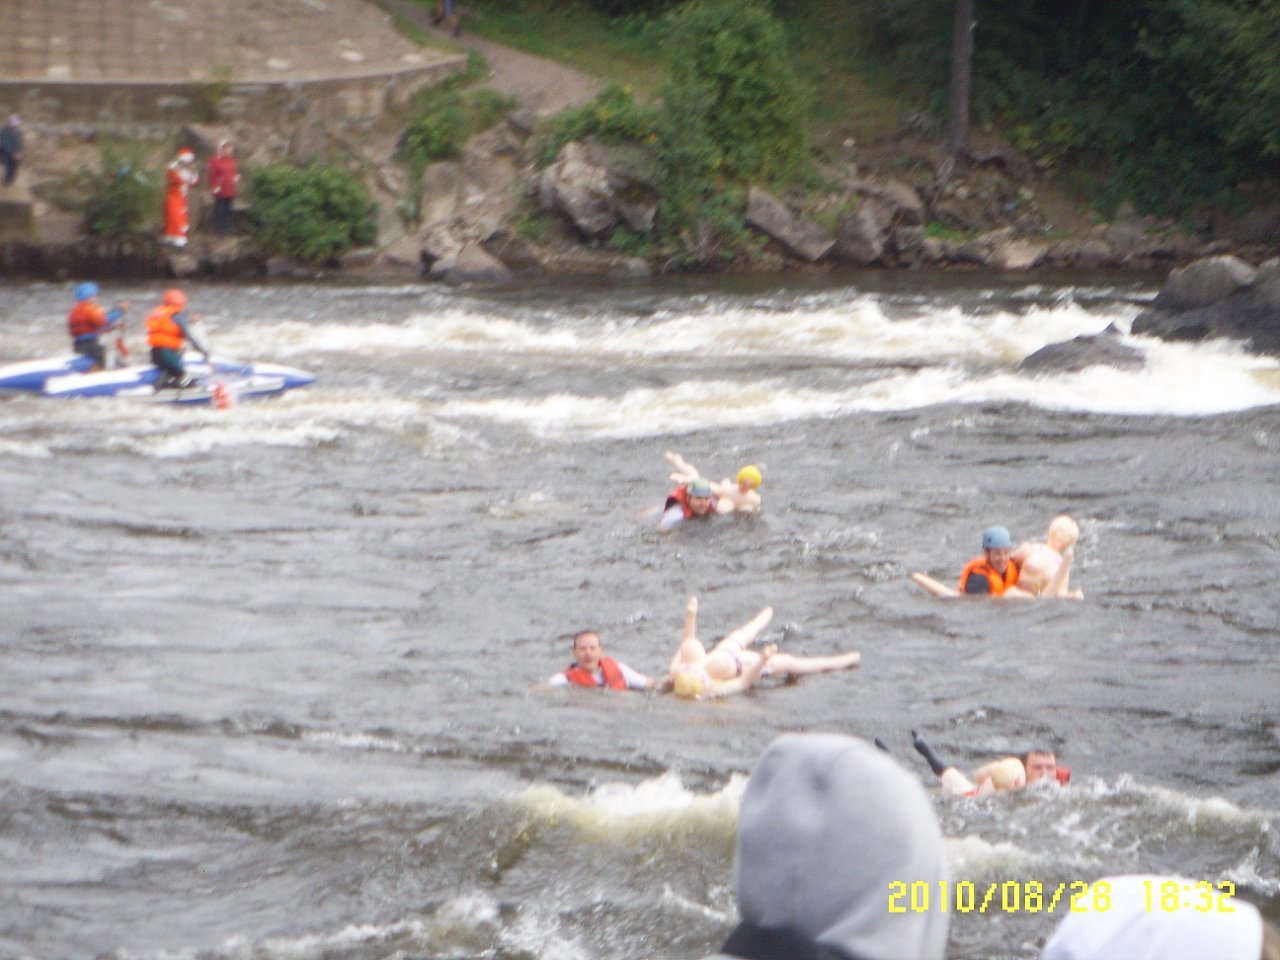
[[613, 678], [86, 319], [680, 495], [981, 567], [162, 330]]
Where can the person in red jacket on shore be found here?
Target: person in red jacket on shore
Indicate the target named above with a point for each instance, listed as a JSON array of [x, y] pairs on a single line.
[[591, 668], [224, 183]]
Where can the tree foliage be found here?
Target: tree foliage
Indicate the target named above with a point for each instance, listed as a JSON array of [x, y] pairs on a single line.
[[314, 213], [121, 199], [732, 57], [1172, 101]]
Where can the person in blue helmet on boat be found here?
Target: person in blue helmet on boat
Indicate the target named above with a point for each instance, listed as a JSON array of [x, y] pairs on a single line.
[[88, 321], [168, 332]]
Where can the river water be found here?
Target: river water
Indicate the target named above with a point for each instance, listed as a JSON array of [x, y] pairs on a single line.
[[272, 675]]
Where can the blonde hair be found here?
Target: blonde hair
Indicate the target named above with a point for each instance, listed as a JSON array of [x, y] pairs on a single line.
[[1063, 532], [688, 684]]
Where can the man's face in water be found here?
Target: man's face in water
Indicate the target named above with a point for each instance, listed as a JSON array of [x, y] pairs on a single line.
[[1041, 765], [998, 557], [699, 506], [586, 651]]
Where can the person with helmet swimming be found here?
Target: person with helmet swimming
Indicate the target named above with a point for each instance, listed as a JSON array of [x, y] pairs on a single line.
[[690, 501], [730, 667], [88, 321], [168, 332], [740, 495], [994, 574]]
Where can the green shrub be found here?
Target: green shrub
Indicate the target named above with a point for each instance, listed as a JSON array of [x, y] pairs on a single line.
[[314, 213], [120, 200], [444, 119], [612, 117], [732, 55]]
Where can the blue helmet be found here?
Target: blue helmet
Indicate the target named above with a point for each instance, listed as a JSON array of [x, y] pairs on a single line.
[[993, 538], [86, 291]]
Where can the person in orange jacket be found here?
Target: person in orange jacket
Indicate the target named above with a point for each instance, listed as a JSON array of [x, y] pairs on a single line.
[[168, 332], [88, 321], [591, 668], [180, 176]]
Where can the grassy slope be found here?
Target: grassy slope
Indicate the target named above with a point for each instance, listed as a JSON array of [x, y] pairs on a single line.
[[824, 36]]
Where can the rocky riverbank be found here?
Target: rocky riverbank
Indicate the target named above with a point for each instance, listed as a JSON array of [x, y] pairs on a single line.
[[893, 205]]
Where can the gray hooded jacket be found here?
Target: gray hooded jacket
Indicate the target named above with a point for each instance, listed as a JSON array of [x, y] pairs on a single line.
[[827, 824]]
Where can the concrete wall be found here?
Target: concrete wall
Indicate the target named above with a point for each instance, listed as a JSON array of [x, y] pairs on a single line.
[[140, 105]]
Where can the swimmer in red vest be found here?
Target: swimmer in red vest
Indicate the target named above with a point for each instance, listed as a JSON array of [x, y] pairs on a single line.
[[1007, 773], [740, 495], [591, 668], [692, 501]]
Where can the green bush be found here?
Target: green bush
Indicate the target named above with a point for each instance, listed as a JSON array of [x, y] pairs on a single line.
[[120, 200], [445, 118], [314, 213], [612, 117], [732, 56]]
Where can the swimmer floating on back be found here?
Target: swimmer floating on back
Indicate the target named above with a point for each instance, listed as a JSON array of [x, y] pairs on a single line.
[[730, 667]]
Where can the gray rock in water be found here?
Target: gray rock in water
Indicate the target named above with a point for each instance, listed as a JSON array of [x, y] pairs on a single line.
[[1218, 297], [801, 239], [1074, 355]]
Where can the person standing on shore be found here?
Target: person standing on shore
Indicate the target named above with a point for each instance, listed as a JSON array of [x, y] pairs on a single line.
[[180, 177], [224, 184], [11, 147]]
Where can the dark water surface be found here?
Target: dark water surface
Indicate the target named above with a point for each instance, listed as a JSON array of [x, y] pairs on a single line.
[[271, 679]]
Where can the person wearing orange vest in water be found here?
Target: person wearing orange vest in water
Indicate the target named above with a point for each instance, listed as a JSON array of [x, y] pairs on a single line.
[[740, 495], [992, 573], [87, 321], [591, 668], [180, 176], [1007, 773], [168, 331], [691, 501]]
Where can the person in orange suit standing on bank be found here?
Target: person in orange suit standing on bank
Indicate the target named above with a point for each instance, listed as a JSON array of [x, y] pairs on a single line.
[[180, 176]]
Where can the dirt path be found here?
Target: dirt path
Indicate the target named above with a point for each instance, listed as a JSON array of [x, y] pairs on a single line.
[[542, 86]]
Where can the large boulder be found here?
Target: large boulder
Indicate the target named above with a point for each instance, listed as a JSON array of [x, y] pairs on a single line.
[[1203, 283], [597, 188], [1072, 356], [801, 239], [861, 234], [1218, 297]]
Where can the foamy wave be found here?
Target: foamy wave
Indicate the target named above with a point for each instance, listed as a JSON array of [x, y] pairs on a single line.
[[854, 329], [972, 856], [355, 741], [618, 812]]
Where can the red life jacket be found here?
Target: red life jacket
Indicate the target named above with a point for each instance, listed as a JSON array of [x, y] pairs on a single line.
[[613, 678], [981, 567], [680, 495], [1064, 775], [85, 319], [163, 330]]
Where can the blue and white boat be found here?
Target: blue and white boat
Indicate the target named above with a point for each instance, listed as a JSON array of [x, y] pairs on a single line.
[[209, 381]]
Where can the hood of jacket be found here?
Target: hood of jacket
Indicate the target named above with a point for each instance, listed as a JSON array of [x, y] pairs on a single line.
[[827, 823]]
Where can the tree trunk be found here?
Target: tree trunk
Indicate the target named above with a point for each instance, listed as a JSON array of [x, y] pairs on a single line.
[[961, 73]]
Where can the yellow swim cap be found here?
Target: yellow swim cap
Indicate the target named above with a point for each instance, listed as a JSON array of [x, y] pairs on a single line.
[[688, 684], [750, 475]]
